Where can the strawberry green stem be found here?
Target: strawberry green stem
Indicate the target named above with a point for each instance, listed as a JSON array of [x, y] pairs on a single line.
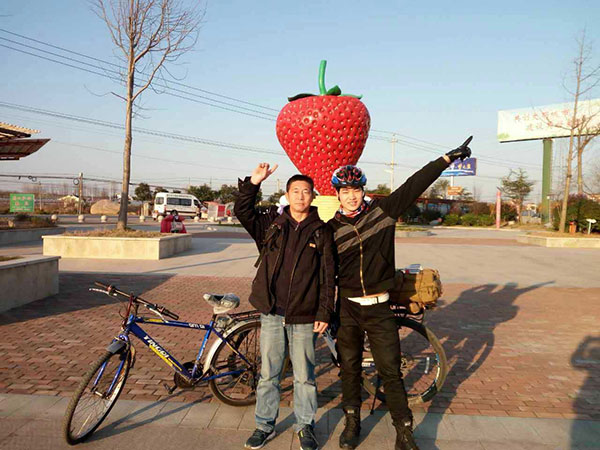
[[322, 89]]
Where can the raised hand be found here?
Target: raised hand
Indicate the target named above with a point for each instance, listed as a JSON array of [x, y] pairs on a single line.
[[461, 152], [262, 172]]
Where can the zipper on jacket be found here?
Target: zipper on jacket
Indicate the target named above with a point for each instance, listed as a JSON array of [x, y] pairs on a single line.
[[362, 281], [270, 279], [287, 304]]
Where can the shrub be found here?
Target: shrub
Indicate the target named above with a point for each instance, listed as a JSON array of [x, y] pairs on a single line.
[[451, 219], [468, 220], [42, 222], [580, 208], [485, 220]]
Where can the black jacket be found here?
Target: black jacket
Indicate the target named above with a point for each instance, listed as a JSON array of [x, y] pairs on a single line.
[[365, 243], [311, 284]]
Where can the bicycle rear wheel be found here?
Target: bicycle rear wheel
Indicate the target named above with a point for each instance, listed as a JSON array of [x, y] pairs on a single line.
[[96, 395], [423, 364], [237, 379]]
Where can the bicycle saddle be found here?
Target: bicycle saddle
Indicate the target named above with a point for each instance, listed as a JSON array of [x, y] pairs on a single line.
[[222, 303]]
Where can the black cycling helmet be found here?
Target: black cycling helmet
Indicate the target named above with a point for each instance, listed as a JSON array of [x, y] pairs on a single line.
[[348, 176]]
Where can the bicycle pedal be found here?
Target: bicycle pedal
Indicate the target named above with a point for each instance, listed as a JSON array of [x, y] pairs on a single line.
[[170, 389]]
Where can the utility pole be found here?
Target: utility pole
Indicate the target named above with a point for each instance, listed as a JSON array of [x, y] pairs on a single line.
[[392, 165], [40, 194], [278, 184], [80, 193]]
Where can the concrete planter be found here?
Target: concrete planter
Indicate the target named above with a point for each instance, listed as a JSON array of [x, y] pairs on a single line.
[[116, 247], [27, 279], [559, 242], [8, 237]]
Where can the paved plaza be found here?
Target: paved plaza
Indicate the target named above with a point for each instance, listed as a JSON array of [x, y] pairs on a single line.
[[519, 324]]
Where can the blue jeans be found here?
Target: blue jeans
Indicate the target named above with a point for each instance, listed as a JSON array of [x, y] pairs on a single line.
[[301, 342]]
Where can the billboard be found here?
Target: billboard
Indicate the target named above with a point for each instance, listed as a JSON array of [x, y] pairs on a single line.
[[458, 168], [22, 202], [541, 122]]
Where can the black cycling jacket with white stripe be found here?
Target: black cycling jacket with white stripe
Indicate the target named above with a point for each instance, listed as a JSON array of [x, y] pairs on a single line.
[[365, 243]]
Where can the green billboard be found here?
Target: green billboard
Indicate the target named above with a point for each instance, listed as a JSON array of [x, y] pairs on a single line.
[[22, 202]]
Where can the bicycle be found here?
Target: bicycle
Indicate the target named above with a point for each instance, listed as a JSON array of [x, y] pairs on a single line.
[[423, 360], [230, 367]]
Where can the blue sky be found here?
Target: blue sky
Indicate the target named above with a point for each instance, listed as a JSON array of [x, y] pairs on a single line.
[[434, 71]]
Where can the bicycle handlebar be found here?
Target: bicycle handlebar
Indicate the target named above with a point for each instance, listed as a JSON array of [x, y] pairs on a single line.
[[154, 307]]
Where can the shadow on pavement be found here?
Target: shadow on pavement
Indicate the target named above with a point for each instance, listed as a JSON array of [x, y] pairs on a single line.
[[125, 423], [466, 328], [207, 263], [586, 358], [74, 295]]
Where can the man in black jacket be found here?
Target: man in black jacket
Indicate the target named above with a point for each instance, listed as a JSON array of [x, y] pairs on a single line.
[[364, 239], [294, 291]]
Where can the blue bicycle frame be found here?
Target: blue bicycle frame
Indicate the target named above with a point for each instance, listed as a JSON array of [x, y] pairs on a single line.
[[194, 376]]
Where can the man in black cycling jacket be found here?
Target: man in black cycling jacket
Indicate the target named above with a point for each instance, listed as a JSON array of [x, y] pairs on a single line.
[[364, 240]]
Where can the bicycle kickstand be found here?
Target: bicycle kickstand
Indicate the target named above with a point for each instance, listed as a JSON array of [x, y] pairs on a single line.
[[170, 389], [375, 396]]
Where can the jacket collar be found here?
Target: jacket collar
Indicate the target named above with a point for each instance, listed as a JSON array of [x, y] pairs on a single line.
[[313, 216]]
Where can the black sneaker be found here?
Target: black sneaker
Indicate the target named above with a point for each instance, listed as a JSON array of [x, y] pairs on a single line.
[[259, 438], [308, 441]]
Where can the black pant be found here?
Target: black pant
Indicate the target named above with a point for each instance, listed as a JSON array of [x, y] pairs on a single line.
[[380, 324]]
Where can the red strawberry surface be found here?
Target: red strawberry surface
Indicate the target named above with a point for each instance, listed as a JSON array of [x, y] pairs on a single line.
[[323, 132]]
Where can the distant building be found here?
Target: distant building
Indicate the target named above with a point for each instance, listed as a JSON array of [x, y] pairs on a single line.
[[69, 200]]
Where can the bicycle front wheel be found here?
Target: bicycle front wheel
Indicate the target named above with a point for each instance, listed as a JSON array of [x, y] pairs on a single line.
[[96, 395], [236, 379], [423, 364]]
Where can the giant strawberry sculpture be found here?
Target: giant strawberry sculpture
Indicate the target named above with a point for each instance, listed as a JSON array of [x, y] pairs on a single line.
[[323, 132]]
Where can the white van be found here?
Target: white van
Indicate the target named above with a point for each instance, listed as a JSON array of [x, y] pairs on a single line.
[[185, 204]]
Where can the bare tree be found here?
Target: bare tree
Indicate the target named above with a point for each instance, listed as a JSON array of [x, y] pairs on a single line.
[[594, 178], [586, 78], [149, 34], [586, 131]]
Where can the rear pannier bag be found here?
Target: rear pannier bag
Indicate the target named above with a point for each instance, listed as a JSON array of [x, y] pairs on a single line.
[[416, 290]]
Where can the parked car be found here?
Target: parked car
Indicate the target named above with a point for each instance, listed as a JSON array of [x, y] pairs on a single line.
[[185, 204]]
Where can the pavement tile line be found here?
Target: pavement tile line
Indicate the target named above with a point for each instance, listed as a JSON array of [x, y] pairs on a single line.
[[25, 418]]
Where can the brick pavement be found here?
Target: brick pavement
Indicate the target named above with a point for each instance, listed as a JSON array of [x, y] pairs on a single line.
[[522, 351]]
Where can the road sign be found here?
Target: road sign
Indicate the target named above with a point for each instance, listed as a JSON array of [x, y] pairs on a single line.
[[22, 202], [459, 168], [454, 190]]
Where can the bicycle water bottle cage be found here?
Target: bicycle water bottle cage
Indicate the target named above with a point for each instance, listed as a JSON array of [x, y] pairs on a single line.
[[222, 303]]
